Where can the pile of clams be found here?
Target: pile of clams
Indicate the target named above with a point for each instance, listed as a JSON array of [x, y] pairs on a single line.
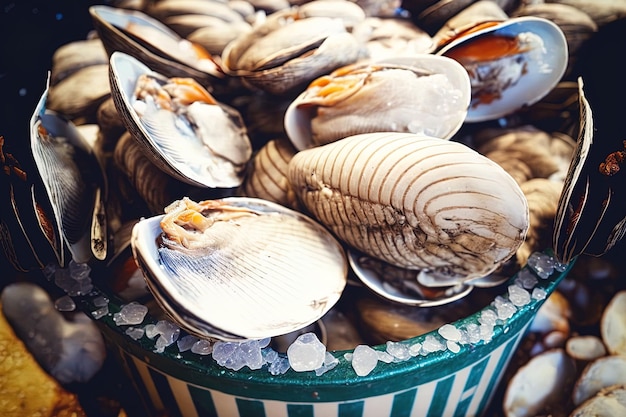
[[266, 169]]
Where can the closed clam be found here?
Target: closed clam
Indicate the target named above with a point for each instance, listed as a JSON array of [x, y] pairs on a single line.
[[287, 50], [420, 94], [414, 201], [181, 127], [239, 268]]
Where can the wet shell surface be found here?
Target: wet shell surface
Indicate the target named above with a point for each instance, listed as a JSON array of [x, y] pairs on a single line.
[[239, 268], [511, 65], [420, 94], [184, 131], [414, 201]]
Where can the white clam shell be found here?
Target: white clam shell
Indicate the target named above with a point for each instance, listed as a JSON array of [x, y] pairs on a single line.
[[527, 76], [423, 93], [414, 201], [256, 276], [214, 162]]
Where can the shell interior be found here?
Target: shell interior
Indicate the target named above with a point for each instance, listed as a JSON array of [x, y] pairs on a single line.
[[185, 160], [382, 283], [260, 276], [540, 68]]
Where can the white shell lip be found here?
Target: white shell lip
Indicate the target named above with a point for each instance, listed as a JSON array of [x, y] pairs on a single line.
[[214, 315], [125, 70], [297, 120], [540, 77], [375, 283]]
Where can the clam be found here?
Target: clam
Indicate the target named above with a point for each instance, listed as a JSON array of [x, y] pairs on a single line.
[[414, 201], [239, 268], [423, 94], [74, 183], [147, 39], [286, 51], [181, 127], [511, 65]]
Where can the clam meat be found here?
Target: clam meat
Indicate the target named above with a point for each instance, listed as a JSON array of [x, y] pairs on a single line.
[[414, 201], [420, 94], [511, 64], [188, 133], [239, 268]]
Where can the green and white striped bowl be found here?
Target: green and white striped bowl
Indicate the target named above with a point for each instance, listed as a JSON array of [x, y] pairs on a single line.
[[442, 383]]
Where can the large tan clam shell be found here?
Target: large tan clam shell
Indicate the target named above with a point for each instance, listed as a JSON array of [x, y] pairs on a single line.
[[414, 201]]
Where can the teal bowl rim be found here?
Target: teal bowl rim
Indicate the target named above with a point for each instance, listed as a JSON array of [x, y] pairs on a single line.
[[335, 384]]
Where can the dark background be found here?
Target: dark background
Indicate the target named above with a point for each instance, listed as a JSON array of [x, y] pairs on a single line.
[[30, 32]]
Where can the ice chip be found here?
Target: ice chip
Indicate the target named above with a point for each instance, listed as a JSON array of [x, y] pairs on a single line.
[[151, 331], [398, 350], [384, 356], [449, 332], [415, 349], [488, 317], [186, 342], [100, 312], [518, 296], [329, 363], [135, 333], [504, 308], [202, 347], [364, 360], [306, 353], [526, 279], [130, 314], [453, 346], [65, 303], [279, 366], [542, 264], [539, 294], [432, 344]]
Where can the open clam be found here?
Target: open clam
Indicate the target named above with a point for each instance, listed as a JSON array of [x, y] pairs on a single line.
[[181, 127], [239, 268], [145, 38], [424, 94], [512, 64], [74, 183], [414, 201]]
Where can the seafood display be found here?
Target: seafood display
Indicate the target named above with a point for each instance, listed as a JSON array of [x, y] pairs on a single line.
[[284, 166]]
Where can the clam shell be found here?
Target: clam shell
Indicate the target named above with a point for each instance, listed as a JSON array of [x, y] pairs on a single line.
[[74, 183], [414, 201], [166, 51], [512, 81], [220, 164], [419, 94], [268, 272]]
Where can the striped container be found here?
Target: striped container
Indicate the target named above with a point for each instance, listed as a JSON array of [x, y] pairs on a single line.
[[441, 383]]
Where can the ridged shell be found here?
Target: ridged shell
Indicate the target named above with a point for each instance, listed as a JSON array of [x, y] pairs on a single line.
[[414, 201], [259, 270], [267, 175]]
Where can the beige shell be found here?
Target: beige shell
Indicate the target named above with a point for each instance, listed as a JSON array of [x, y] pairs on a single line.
[[414, 201], [424, 94], [267, 175], [286, 51]]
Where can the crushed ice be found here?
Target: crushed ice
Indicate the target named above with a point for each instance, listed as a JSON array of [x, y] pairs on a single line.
[[307, 353]]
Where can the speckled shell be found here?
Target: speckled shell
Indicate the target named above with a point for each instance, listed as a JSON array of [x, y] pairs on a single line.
[[414, 201]]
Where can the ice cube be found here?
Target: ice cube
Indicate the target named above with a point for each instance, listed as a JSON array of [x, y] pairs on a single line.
[[306, 353], [364, 360]]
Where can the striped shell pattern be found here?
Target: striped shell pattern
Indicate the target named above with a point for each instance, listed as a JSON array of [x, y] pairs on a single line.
[[414, 201]]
